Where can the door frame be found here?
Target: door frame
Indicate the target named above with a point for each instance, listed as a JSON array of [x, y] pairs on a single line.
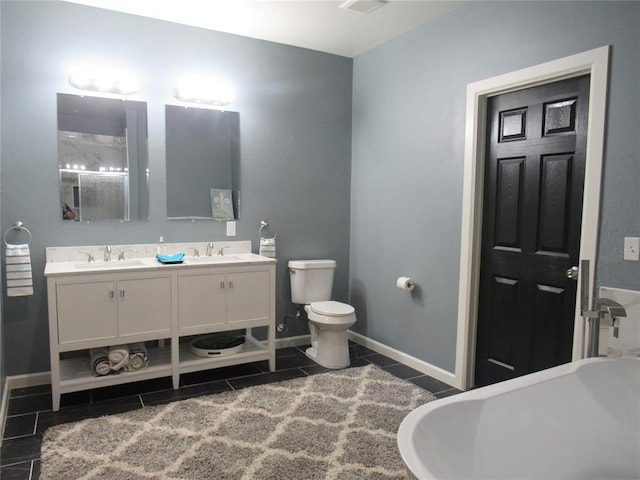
[[594, 63]]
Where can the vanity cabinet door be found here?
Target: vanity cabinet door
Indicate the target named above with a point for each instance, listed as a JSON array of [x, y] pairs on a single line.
[[144, 305], [86, 310], [248, 295], [201, 299]]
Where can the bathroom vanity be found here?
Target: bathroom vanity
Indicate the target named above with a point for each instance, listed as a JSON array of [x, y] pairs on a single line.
[[106, 303]]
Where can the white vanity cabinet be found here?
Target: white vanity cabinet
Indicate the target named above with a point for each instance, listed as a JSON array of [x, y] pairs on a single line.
[[97, 307], [98, 310], [93, 306], [216, 297], [222, 298]]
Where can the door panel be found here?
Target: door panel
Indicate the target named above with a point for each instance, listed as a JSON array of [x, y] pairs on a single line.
[[248, 296], [534, 177], [201, 300], [86, 311], [144, 306]]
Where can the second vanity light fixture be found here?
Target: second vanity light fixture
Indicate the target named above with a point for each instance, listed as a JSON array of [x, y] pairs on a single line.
[[208, 90], [103, 80]]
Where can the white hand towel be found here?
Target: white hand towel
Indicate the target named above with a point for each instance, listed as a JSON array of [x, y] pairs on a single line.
[[138, 359], [118, 357], [100, 361], [19, 279]]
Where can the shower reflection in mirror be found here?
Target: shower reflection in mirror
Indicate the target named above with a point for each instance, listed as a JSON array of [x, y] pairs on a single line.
[[102, 159]]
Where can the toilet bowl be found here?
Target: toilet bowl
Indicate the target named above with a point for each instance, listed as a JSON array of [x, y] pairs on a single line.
[[328, 324], [311, 283]]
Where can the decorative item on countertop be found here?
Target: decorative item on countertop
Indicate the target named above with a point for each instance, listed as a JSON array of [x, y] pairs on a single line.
[[118, 357], [138, 358], [176, 258], [100, 361], [217, 345], [18, 264], [222, 204], [267, 245], [161, 248]]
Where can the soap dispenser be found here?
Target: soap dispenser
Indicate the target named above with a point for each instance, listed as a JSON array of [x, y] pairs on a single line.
[[161, 248]]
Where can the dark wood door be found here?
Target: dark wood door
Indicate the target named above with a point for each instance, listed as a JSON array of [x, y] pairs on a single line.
[[534, 181]]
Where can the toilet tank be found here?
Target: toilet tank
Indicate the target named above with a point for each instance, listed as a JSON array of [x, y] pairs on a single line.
[[311, 280]]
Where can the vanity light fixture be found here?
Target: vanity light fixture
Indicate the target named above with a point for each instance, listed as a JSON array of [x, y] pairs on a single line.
[[102, 80], [210, 91]]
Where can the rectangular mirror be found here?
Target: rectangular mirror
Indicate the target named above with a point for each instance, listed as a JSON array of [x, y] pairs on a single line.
[[203, 150], [102, 159]]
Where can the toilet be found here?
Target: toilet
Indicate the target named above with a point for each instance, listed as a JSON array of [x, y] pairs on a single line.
[[311, 284]]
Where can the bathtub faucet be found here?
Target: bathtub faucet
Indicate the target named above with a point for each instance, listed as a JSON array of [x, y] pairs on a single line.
[[611, 309], [605, 308]]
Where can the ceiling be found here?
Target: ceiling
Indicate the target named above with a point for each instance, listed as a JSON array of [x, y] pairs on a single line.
[[314, 24]]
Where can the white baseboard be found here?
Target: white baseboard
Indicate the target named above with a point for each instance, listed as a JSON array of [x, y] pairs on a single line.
[[409, 360], [19, 381], [293, 341], [29, 380]]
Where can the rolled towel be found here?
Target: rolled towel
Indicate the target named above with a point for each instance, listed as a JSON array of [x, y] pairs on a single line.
[[138, 359], [118, 357], [100, 361]]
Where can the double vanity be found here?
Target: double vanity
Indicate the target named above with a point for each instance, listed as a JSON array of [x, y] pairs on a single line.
[[107, 302]]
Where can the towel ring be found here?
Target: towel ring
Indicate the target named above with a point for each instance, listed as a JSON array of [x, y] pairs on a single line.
[[264, 224], [17, 226]]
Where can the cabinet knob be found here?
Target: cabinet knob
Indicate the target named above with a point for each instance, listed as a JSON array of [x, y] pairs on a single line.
[[231, 284], [111, 294], [222, 285], [122, 293]]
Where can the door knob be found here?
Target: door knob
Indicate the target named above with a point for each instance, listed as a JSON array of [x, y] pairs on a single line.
[[572, 273]]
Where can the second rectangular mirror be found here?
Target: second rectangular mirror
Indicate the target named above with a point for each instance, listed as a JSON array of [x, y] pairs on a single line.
[[202, 148]]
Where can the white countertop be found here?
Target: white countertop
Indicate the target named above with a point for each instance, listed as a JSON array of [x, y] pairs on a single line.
[[73, 260], [138, 264]]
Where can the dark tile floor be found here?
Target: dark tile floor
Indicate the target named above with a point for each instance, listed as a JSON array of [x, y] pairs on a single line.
[[29, 410]]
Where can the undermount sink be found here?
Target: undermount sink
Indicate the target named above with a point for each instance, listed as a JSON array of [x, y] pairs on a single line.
[[113, 264], [213, 259]]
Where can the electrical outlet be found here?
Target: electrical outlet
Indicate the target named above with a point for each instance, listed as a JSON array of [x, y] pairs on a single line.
[[632, 248], [231, 229]]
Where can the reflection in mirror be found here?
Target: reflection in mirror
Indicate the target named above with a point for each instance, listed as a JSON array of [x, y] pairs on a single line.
[[102, 159], [202, 163]]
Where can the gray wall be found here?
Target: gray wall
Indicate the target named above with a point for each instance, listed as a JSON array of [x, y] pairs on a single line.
[[408, 144], [295, 128]]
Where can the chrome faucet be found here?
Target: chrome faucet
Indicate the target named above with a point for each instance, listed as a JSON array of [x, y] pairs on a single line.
[[611, 308], [209, 249], [221, 251], [603, 308], [107, 254], [196, 253], [89, 257], [121, 255]]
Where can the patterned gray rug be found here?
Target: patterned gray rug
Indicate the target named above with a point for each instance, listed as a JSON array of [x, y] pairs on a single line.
[[336, 425]]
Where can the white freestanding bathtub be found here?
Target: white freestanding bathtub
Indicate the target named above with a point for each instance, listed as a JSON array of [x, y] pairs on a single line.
[[576, 421]]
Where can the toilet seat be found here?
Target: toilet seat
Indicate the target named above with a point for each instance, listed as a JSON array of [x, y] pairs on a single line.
[[331, 313], [334, 309]]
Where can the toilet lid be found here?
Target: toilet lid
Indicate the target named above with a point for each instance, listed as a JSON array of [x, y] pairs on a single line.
[[332, 309]]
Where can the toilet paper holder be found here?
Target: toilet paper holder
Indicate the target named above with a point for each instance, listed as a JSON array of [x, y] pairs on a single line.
[[405, 283]]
